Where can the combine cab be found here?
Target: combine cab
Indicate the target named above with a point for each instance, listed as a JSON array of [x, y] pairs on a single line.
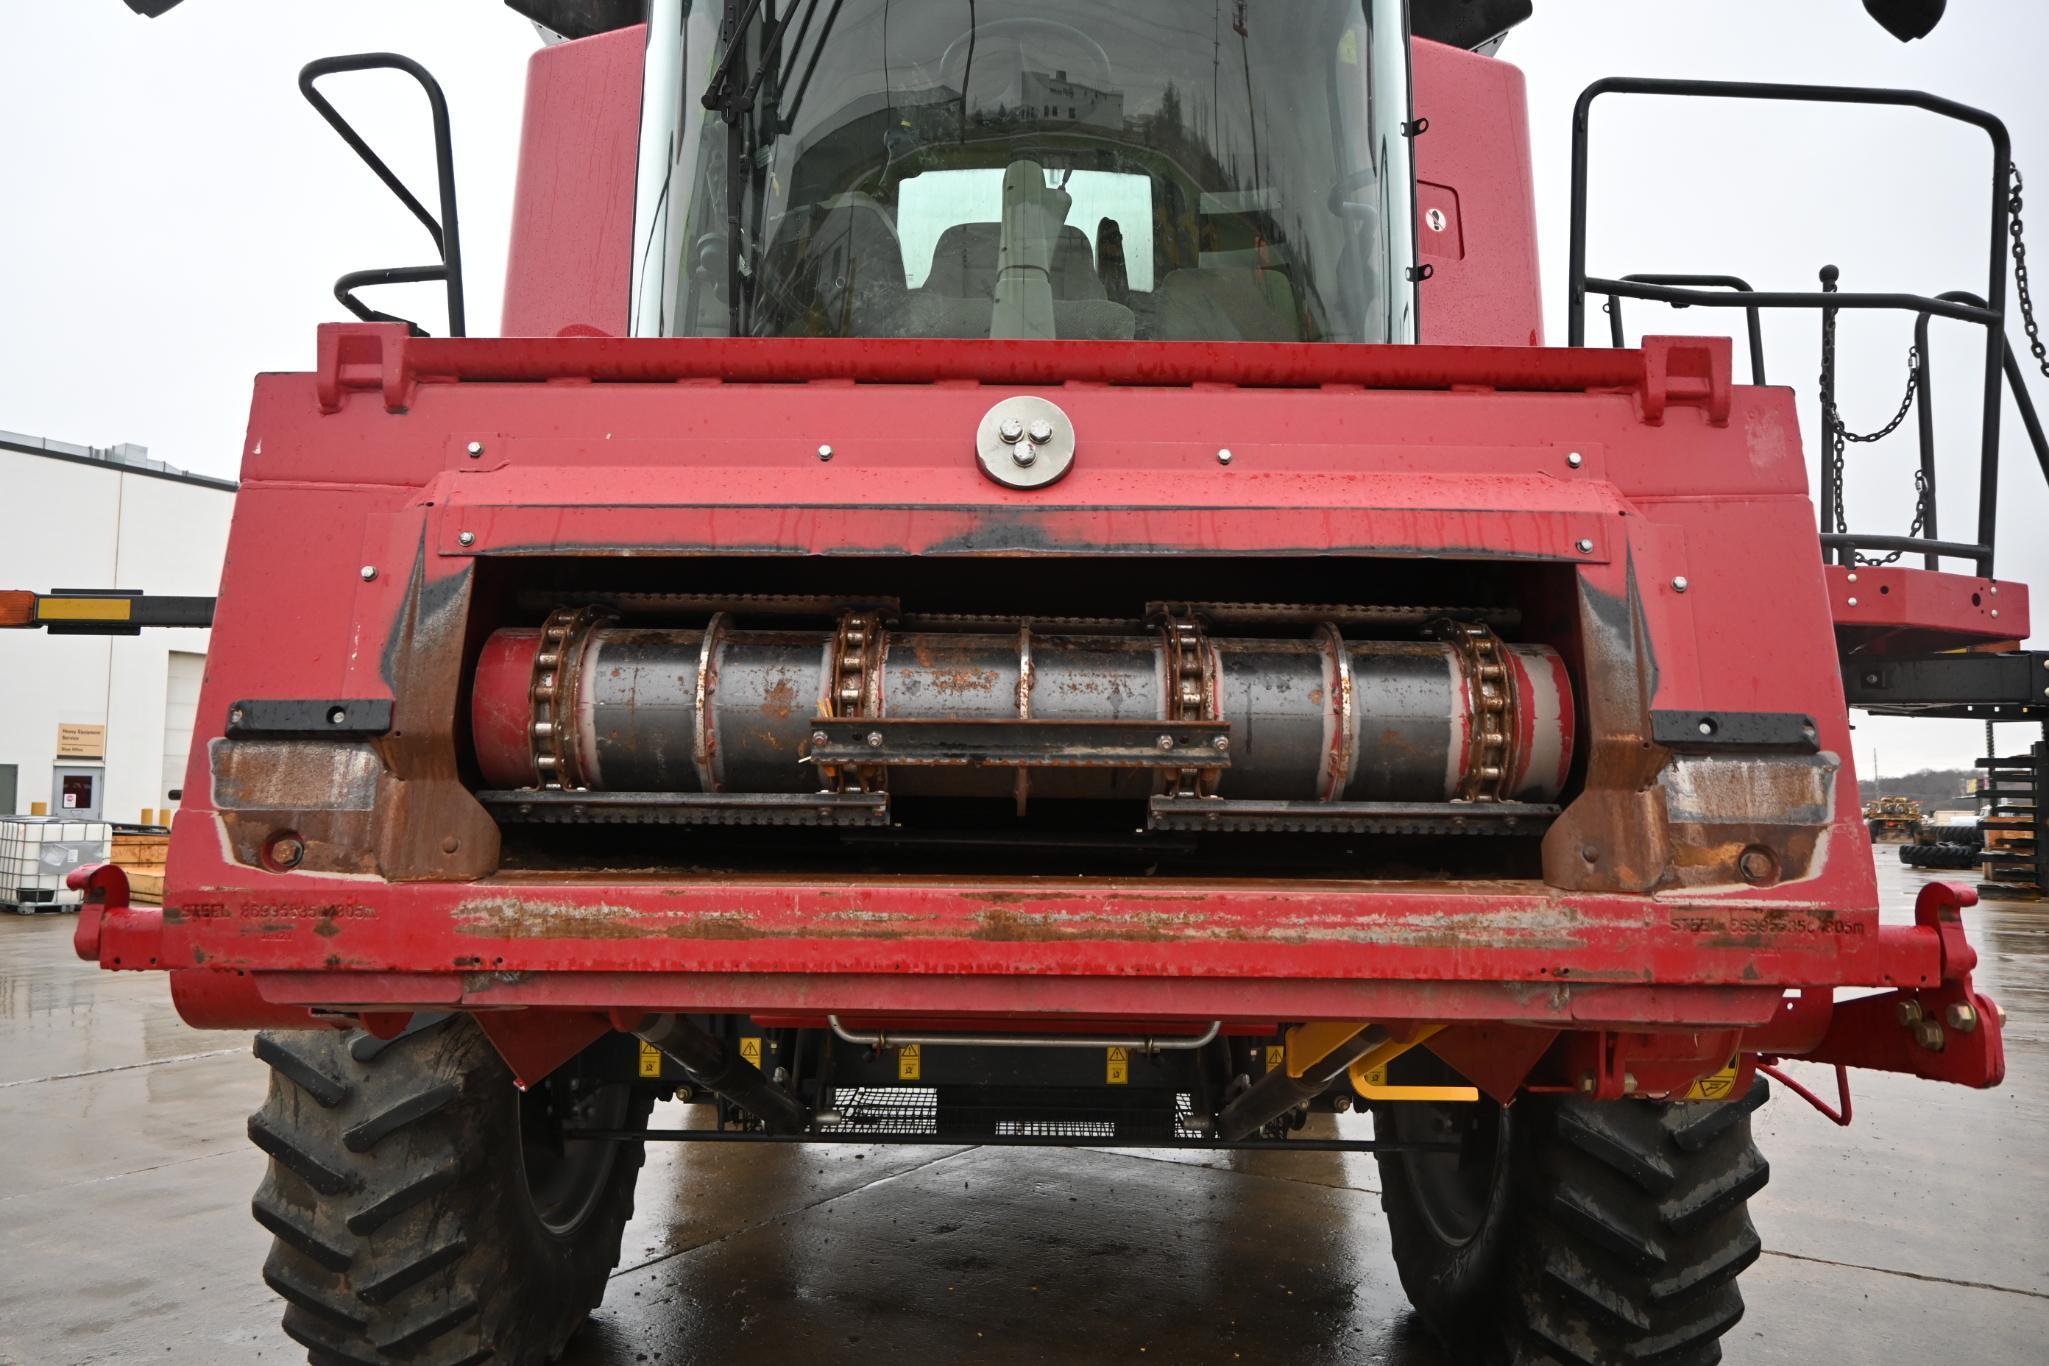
[[1023, 576]]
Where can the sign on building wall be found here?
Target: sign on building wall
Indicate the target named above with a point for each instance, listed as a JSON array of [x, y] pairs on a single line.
[[79, 741]]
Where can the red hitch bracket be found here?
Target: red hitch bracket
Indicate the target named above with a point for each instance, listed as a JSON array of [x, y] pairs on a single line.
[[1947, 1032], [111, 932]]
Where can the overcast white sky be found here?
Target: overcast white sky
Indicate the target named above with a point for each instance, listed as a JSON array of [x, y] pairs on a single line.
[[175, 215]]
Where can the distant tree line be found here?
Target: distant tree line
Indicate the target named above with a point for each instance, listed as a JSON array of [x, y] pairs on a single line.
[[1927, 786]]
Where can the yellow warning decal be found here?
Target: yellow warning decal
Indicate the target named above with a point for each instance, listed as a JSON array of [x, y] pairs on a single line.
[[1118, 1067], [908, 1059], [1375, 1076], [650, 1060], [750, 1051], [1716, 1086], [1276, 1054]]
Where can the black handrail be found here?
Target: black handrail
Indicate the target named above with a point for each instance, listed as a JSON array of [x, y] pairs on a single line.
[[1735, 282], [1991, 318], [2016, 383], [447, 237]]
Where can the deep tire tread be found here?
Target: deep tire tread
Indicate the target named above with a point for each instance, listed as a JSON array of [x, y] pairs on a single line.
[[1616, 1235], [402, 1231]]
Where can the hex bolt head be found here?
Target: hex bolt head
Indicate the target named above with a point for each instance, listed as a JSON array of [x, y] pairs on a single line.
[[1224, 456], [1929, 1035], [1341, 1102], [286, 851], [368, 571], [1909, 1013], [1679, 583], [1010, 430], [1166, 742], [1575, 459], [1584, 546], [818, 737], [1961, 1017], [1221, 743], [1040, 431], [875, 739], [475, 449], [1024, 453], [1757, 865], [466, 538], [825, 452]]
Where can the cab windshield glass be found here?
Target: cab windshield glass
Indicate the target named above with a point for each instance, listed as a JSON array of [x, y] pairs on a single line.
[[1175, 170]]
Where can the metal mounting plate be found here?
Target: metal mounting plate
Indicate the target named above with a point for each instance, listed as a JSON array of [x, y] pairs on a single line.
[[1025, 442], [939, 741]]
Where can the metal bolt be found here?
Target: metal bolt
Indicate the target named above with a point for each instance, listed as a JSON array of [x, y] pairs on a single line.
[[1993, 589], [1998, 1014], [1010, 429], [475, 448], [1909, 1013], [1224, 456], [449, 844], [818, 737], [368, 571], [1679, 584], [466, 538], [1586, 1082], [1995, 611], [1341, 1102], [875, 739], [825, 452], [1040, 431], [1575, 459], [287, 850], [1756, 865], [1929, 1035], [1585, 546], [1024, 453], [1166, 742], [1629, 1083], [1222, 742], [1853, 602], [1962, 1018], [1853, 578]]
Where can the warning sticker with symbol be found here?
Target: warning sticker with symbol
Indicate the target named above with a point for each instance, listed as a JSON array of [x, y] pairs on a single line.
[[1275, 1054], [750, 1051], [1715, 1086], [908, 1061], [1118, 1067], [650, 1060]]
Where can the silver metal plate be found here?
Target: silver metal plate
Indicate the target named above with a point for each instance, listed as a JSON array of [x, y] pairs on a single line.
[[1025, 442]]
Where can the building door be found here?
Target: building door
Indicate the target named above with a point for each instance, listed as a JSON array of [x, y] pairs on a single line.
[[183, 671]]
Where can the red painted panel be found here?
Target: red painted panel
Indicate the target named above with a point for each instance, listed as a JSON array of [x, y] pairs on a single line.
[[572, 213], [1473, 166]]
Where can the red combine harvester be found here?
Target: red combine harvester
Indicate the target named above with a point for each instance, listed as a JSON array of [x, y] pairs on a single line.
[[1026, 577]]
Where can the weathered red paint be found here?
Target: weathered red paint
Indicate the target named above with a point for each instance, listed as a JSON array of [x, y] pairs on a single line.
[[568, 258], [1473, 167], [1343, 456]]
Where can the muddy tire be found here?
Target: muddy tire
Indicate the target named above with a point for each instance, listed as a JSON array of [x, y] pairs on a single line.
[[1569, 1232], [423, 1210]]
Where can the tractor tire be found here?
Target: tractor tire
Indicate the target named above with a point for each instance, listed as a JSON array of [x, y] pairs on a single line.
[[420, 1210], [1569, 1232]]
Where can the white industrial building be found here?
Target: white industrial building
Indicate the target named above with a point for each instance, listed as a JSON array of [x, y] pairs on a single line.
[[93, 518]]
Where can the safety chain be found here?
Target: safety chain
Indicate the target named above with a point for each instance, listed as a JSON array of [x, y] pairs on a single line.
[[2036, 347], [1839, 435]]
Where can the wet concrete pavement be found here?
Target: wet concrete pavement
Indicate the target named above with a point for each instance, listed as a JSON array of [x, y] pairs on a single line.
[[1920, 1233]]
